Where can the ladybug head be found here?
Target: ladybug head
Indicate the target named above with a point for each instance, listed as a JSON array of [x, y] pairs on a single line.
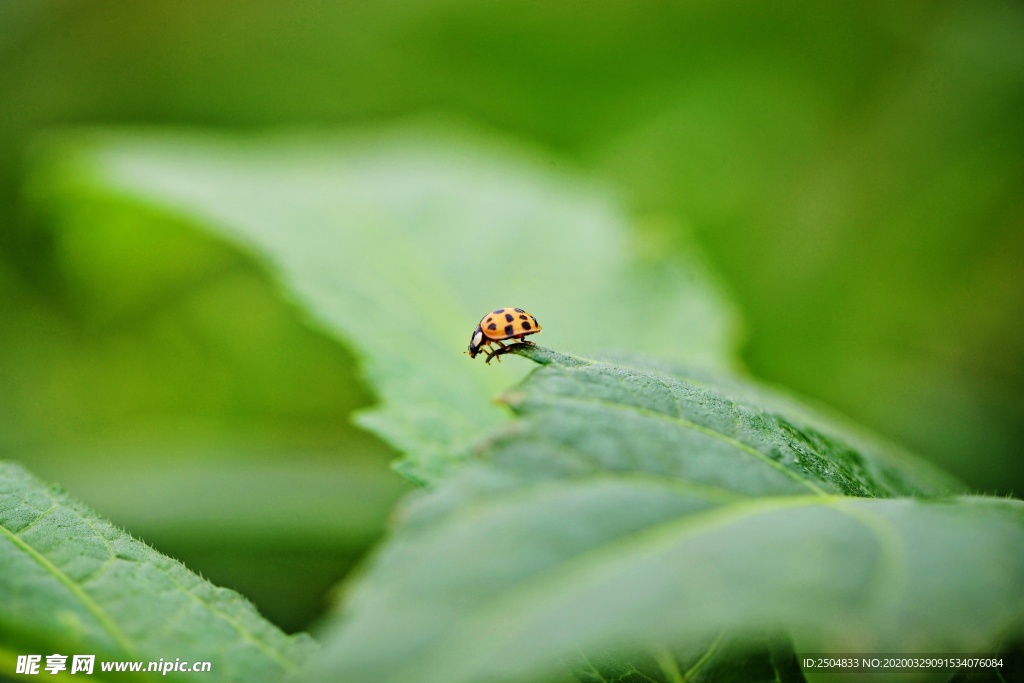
[[475, 341]]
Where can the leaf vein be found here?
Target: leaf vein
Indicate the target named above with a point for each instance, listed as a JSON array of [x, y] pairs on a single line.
[[38, 519]]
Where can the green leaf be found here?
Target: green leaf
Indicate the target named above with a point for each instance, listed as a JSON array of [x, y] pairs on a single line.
[[637, 506], [747, 659], [71, 583], [643, 415], [398, 245]]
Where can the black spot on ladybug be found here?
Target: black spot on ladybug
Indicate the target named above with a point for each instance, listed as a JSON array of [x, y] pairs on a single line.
[[492, 326], [508, 317], [500, 310], [523, 317], [508, 330], [490, 319], [519, 310], [526, 326]]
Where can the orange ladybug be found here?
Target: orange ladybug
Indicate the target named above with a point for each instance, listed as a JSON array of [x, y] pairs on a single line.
[[503, 323]]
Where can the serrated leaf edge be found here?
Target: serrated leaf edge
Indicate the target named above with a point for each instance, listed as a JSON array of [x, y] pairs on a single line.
[[94, 608]]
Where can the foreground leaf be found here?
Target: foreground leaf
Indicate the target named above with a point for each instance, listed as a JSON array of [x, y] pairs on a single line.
[[744, 660], [511, 586], [632, 506], [399, 246], [71, 583]]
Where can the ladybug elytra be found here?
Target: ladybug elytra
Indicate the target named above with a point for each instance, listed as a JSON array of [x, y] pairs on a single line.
[[501, 324]]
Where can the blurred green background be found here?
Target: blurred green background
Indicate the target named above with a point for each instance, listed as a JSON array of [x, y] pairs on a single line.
[[854, 172]]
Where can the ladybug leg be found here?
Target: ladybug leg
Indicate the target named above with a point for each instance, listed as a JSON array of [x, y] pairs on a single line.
[[497, 352], [492, 354]]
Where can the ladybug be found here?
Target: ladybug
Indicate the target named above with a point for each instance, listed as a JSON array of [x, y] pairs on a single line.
[[503, 323]]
